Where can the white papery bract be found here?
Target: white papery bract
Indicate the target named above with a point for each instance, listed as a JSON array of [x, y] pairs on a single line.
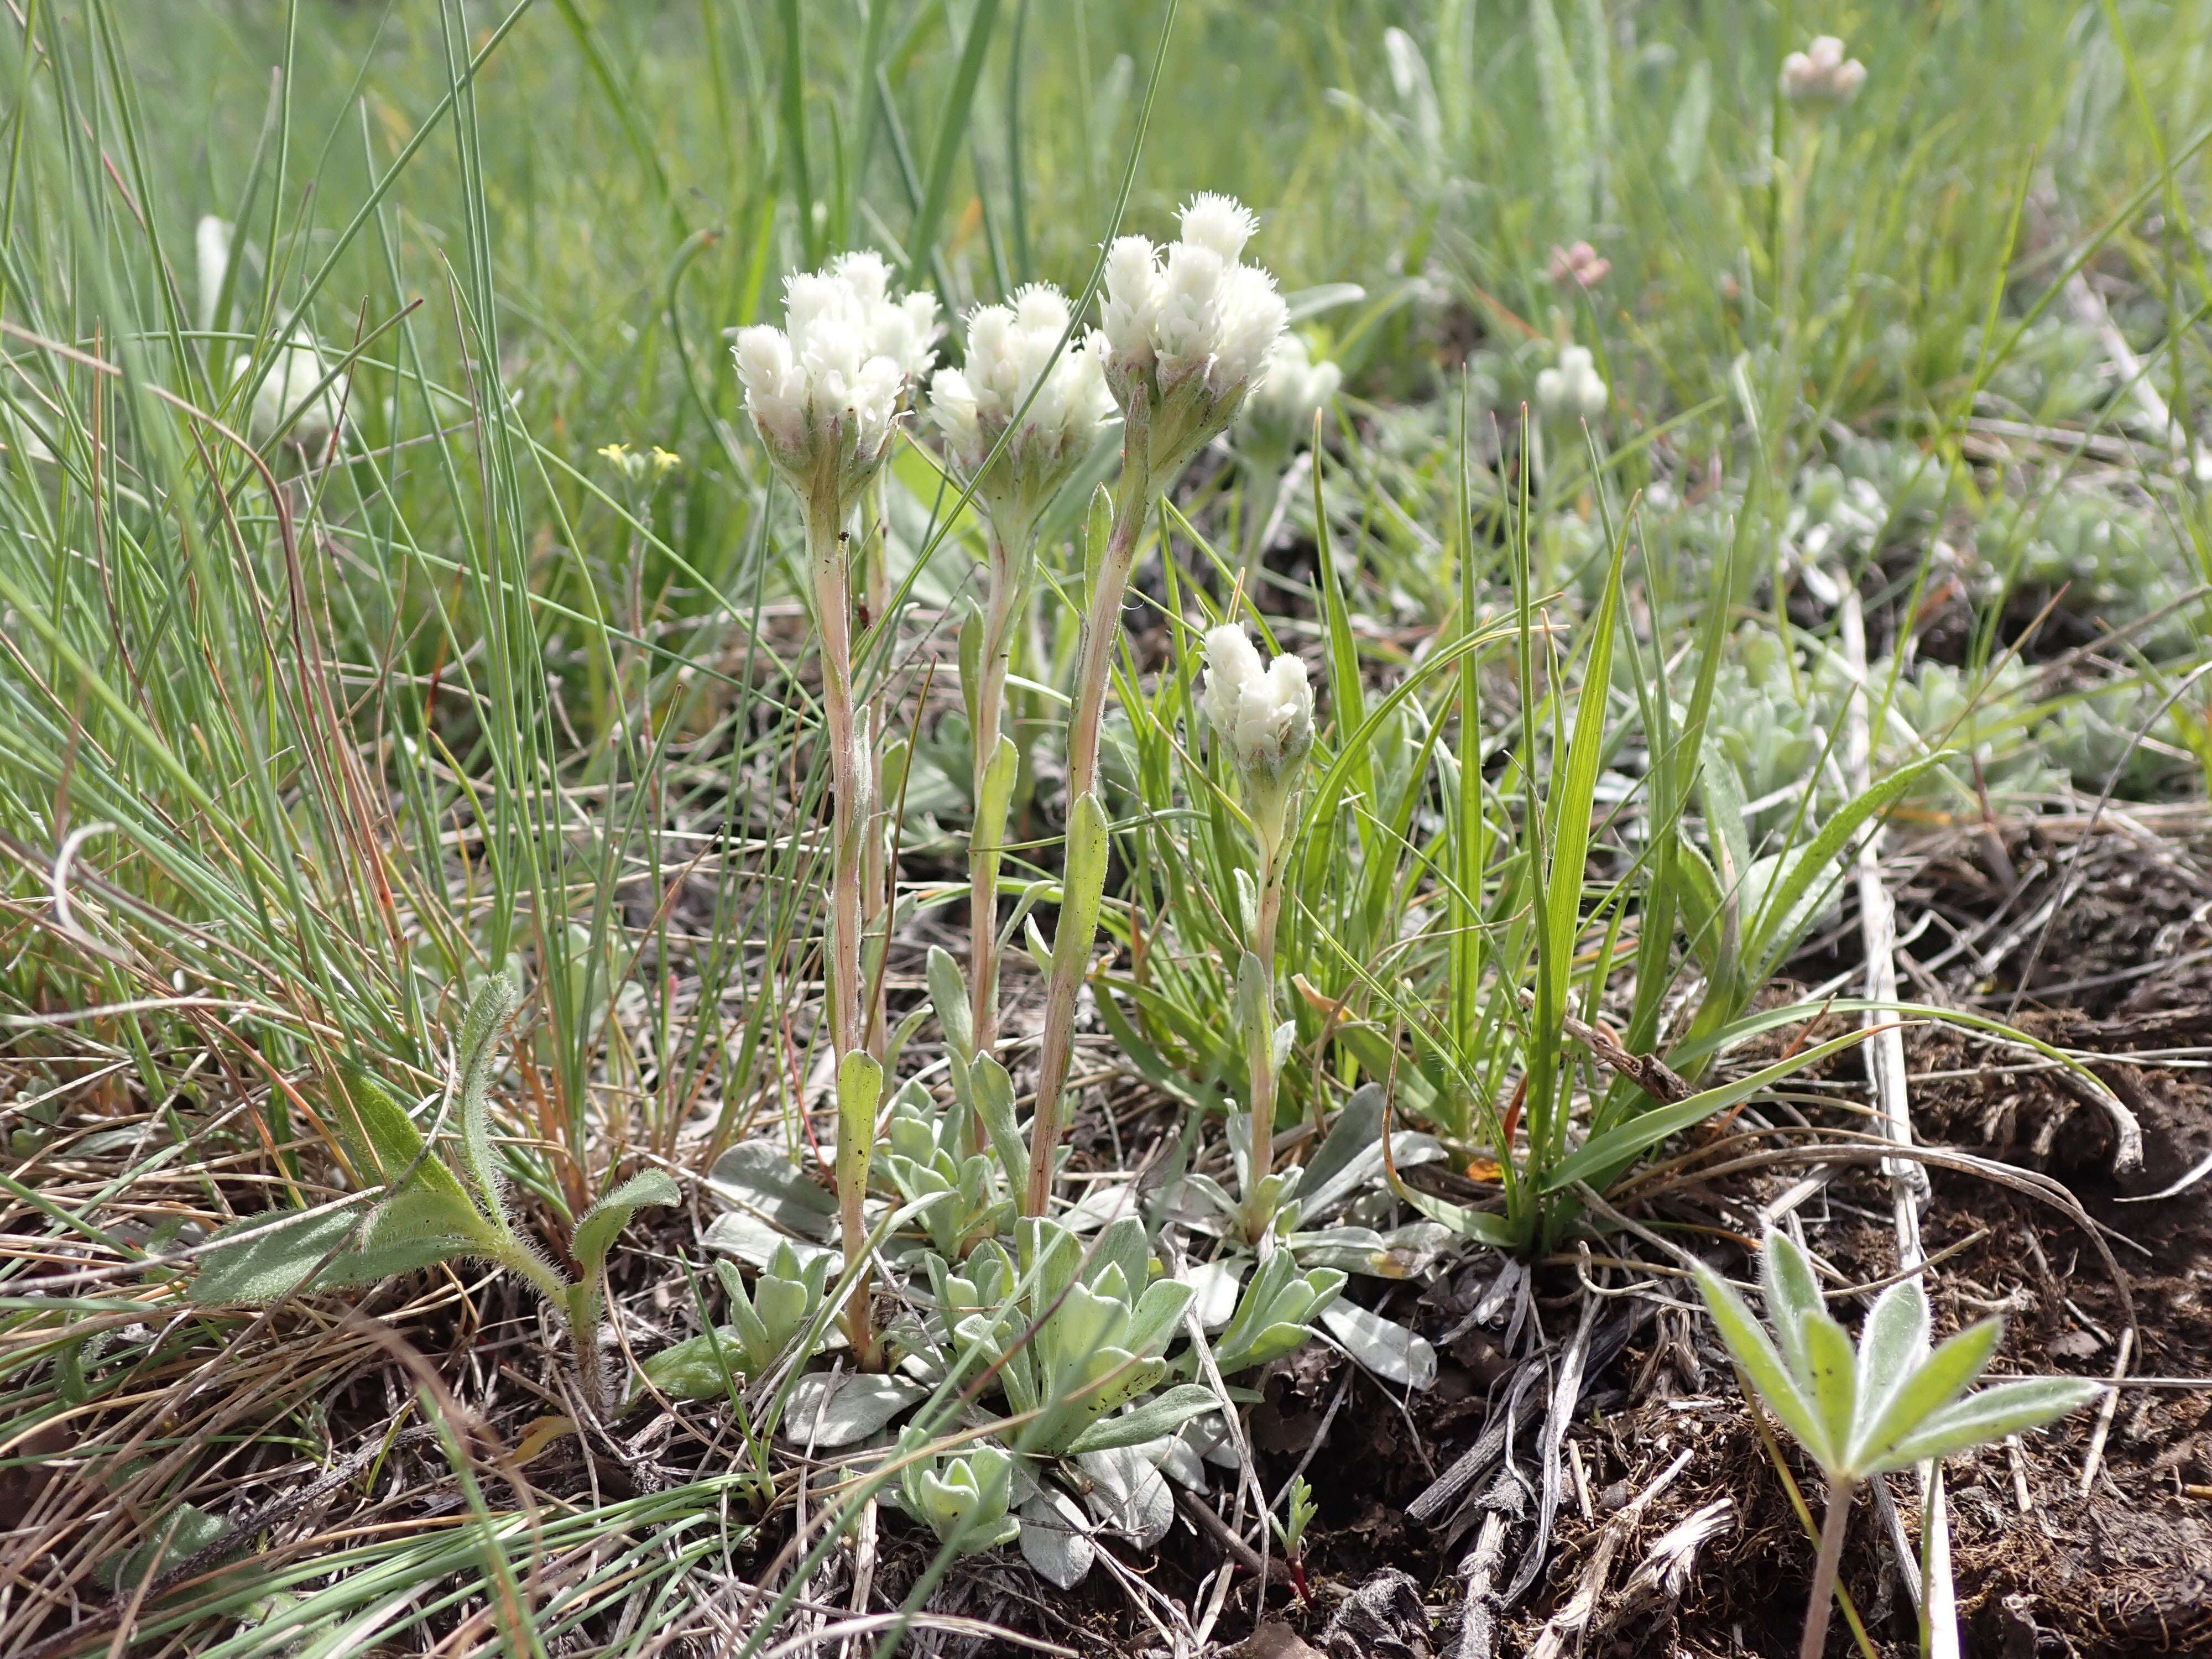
[[1821, 76], [1263, 717], [1187, 330], [1573, 391], [1279, 411], [826, 388], [1013, 351]]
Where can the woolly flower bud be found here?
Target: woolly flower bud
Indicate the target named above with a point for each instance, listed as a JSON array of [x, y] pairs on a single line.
[[825, 389], [1573, 391], [1047, 404], [1131, 305], [1189, 328], [1263, 715], [1219, 222], [288, 392], [1821, 76], [1293, 389]]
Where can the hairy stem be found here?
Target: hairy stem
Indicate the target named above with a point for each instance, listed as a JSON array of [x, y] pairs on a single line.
[[1832, 1525], [1102, 633], [1260, 1045], [986, 839], [851, 815]]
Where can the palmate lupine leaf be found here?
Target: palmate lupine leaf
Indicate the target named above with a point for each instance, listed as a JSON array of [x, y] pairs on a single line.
[[1889, 1404]]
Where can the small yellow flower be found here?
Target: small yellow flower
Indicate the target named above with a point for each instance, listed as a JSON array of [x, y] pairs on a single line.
[[618, 453], [663, 463]]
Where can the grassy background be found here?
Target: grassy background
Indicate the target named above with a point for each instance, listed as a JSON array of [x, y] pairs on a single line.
[[286, 754]]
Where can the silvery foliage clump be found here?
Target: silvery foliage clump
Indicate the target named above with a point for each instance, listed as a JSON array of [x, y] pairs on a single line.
[[1278, 418], [1046, 405], [765, 1321], [1275, 1313], [963, 1497], [1892, 1402], [923, 1159], [825, 389], [1075, 1330], [1189, 328], [1573, 390]]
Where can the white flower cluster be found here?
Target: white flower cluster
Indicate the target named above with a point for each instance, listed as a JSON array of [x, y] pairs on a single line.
[[825, 388], [1013, 350], [1821, 76], [1573, 391], [1188, 327], [1279, 414], [1263, 715], [289, 387]]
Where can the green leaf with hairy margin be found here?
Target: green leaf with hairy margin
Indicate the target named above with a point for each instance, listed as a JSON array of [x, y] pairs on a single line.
[[1995, 1412], [994, 1093], [1793, 1299], [859, 1087], [1753, 1351], [1892, 1348], [490, 1010], [1831, 1377], [1938, 1379], [1082, 887], [596, 1232], [1156, 1418], [948, 998]]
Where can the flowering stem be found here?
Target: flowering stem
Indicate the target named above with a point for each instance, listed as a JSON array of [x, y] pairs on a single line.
[[1102, 633], [875, 882], [1825, 1567], [1259, 1040], [987, 837], [852, 814]]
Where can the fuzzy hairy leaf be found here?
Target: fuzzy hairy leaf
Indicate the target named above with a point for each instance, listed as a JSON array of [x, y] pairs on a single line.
[[2003, 1409], [490, 1010], [1162, 1415], [597, 1230], [1793, 1299], [1938, 1381], [1752, 1349]]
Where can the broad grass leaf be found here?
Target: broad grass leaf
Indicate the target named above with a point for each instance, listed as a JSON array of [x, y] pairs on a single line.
[[1602, 1157], [1793, 900], [596, 1232]]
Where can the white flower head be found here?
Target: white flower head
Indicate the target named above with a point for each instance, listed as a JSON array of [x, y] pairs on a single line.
[[1292, 388], [1574, 390], [1219, 222], [288, 393], [1821, 76], [1047, 404], [1188, 329], [826, 388], [1262, 714]]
